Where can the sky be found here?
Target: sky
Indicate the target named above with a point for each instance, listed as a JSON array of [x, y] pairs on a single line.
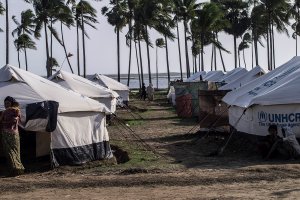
[[101, 48]]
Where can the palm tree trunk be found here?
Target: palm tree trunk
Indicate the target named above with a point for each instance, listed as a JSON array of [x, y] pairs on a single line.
[[64, 46], [148, 58], [130, 50], [78, 54], [179, 51], [235, 52], [51, 42], [268, 49], [195, 63], [7, 33], [167, 58], [19, 59], [26, 64], [222, 60], [156, 67], [273, 46], [186, 51], [256, 52], [252, 62], [83, 47], [239, 57], [212, 58], [202, 52], [138, 65], [141, 60], [215, 58], [48, 67], [244, 59], [118, 52], [199, 60]]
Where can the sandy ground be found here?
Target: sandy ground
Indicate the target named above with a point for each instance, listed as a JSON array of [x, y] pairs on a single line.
[[183, 172]]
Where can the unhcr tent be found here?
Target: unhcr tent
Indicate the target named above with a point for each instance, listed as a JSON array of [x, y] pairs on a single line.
[[87, 88], [214, 76], [233, 75], [244, 79], [274, 98], [80, 135], [112, 84], [198, 76]]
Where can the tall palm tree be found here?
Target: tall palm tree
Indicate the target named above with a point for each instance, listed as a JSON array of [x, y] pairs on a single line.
[[276, 12], [7, 31], [244, 45], [24, 42], [237, 15], [204, 26], [117, 17], [159, 43], [2, 10], [85, 14], [26, 26], [186, 12]]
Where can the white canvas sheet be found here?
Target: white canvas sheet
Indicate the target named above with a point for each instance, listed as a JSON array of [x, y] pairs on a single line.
[[214, 76], [87, 88], [280, 86], [233, 75], [91, 127], [257, 119], [243, 80]]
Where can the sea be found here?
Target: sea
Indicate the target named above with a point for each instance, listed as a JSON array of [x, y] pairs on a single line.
[[161, 82]]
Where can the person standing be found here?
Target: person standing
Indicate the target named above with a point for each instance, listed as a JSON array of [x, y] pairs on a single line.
[[10, 136], [150, 92], [144, 93]]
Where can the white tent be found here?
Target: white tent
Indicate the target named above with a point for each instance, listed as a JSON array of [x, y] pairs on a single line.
[[112, 84], [233, 75], [87, 88], [274, 98], [244, 79], [80, 135], [214, 76], [195, 77]]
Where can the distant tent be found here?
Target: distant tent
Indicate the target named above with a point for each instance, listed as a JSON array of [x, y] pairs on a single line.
[[112, 84], [233, 75], [87, 88], [198, 76], [214, 76], [80, 135], [244, 79], [273, 98]]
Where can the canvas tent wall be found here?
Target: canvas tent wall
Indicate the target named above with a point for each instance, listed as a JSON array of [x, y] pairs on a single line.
[[198, 76], [243, 80], [80, 135], [87, 88], [271, 99], [112, 84], [187, 99]]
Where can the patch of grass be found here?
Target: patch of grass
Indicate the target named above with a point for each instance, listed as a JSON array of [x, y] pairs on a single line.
[[135, 122]]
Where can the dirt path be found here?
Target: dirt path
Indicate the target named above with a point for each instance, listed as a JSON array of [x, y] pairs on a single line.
[[187, 173]]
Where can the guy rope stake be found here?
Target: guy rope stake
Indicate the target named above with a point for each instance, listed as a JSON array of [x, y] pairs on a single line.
[[220, 152]]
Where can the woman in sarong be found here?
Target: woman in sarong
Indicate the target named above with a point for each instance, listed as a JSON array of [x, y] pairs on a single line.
[[10, 136]]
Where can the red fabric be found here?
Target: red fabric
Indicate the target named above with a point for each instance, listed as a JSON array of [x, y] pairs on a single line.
[[10, 119], [184, 106]]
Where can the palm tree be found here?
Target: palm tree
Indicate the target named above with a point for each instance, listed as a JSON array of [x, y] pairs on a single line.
[[159, 43], [85, 14], [244, 45], [236, 12], [24, 42], [276, 12], [2, 10], [186, 12], [205, 25], [27, 25], [117, 16], [7, 31]]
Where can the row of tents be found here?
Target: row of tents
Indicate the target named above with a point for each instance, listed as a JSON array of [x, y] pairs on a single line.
[[254, 99], [78, 132]]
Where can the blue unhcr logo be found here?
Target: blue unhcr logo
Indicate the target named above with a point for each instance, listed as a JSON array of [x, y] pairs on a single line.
[[262, 116], [278, 118]]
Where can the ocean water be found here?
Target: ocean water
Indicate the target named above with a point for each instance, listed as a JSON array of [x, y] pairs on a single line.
[[160, 83]]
